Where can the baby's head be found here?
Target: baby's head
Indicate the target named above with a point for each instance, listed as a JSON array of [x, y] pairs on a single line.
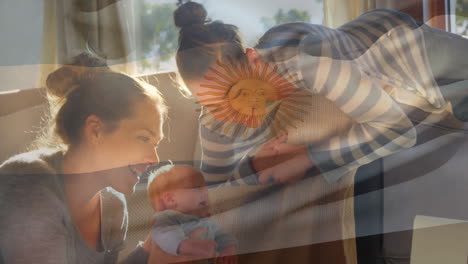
[[179, 188]]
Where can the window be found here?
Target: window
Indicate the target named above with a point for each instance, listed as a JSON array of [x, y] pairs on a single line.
[[155, 35], [450, 15], [20, 44], [459, 18], [158, 38]]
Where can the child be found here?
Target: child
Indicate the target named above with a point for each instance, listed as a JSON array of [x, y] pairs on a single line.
[[179, 196]]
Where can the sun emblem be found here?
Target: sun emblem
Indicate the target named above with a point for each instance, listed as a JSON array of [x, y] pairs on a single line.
[[238, 98]]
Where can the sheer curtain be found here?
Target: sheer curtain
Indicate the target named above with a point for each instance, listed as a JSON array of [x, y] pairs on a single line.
[[338, 12], [105, 27]]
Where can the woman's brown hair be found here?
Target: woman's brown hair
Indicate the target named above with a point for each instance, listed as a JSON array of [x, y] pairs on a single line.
[[87, 86], [202, 42]]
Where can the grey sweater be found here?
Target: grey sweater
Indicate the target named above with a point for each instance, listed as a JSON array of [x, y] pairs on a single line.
[[36, 224]]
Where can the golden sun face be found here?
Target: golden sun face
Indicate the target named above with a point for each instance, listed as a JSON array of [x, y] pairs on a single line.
[[250, 97], [243, 97]]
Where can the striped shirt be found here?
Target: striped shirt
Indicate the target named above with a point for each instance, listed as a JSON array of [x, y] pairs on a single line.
[[367, 68]]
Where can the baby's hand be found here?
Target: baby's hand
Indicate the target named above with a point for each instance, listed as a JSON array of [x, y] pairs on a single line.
[[198, 247], [227, 251], [198, 233]]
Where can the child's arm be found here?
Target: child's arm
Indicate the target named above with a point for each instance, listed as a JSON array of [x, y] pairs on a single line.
[[198, 247], [228, 251], [227, 248], [170, 237], [159, 256], [227, 244]]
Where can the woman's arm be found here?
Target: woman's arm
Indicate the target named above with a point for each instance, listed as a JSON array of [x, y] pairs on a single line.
[[380, 129], [32, 228], [149, 252], [226, 161], [140, 254], [381, 126], [159, 256], [34, 242]]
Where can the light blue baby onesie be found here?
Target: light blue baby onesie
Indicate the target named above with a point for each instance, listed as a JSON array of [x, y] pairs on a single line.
[[172, 227]]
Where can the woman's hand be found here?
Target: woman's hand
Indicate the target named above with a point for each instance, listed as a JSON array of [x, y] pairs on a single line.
[[281, 162], [286, 171], [198, 247], [195, 245], [159, 256], [147, 244], [227, 256], [267, 156]]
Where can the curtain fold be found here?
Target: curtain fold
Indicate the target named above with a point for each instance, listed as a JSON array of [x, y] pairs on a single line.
[[338, 12], [104, 27]]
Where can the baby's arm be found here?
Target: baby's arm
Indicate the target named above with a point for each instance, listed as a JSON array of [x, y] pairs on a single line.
[[171, 238], [187, 247], [227, 244], [198, 247]]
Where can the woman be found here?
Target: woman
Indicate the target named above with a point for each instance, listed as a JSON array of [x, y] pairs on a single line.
[[67, 204], [396, 78], [371, 78]]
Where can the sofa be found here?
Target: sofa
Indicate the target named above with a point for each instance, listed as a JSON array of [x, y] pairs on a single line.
[[388, 193]]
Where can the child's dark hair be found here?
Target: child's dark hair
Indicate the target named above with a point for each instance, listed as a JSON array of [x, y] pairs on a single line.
[[202, 42]]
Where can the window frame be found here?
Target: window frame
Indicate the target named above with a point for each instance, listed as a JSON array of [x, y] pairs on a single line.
[[438, 13]]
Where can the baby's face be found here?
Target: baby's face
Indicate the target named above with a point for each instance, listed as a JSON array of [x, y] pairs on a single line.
[[189, 201]]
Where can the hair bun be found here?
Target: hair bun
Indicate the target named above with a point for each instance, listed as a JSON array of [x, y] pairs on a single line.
[[188, 14], [62, 81], [65, 79]]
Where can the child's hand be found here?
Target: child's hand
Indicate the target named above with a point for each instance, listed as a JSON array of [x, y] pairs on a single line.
[[198, 247], [198, 233], [159, 256], [227, 251], [227, 256]]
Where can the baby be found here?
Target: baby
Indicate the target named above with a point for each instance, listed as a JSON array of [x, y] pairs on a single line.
[[179, 196]]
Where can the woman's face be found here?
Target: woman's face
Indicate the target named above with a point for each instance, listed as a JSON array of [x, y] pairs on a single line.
[[126, 152]]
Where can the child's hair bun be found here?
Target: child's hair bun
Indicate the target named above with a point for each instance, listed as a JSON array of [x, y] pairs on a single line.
[[68, 77], [189, 14]]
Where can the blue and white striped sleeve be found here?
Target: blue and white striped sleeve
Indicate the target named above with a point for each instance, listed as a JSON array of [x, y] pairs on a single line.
[[381, 127], [224, 161]]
